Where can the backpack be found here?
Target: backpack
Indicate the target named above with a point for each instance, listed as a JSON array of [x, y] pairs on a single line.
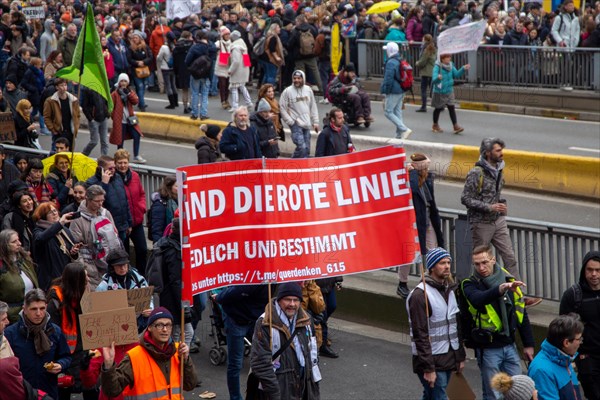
[[154, 267], [201, 67], [406, 76], [307, 43], [259, 47], [149, 218], [577, 297], [170, 61]]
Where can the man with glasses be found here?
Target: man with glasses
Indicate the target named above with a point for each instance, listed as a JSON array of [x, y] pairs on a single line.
[[583, 298], [284, 354], [552, 368], [150, 370], [498, 310]]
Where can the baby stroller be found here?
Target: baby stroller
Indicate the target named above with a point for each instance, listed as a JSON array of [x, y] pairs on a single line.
[[218, 353]]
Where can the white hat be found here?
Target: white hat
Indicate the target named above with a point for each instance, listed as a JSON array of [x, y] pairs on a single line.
[[391, 49], [122, 77]]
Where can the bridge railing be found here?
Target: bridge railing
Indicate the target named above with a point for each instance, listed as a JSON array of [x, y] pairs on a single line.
[[548, 255], [544, 67]]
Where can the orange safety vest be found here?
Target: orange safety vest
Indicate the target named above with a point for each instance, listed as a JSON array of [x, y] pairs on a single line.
[[148, 379], [69, 330]]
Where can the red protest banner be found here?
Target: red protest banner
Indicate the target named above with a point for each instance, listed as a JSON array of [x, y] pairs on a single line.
[[249, 222]]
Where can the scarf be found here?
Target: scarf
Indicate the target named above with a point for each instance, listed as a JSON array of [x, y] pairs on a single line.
[[41, 340], [291, 325], [497, 278], [495, 171], [126, 176], [446, 67], [23, 225], [33, 187], [275, 110], [163, 353]]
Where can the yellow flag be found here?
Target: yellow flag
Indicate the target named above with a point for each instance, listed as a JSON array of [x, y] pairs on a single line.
[[336, 48]]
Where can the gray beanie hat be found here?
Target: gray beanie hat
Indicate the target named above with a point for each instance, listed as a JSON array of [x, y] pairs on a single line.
[[235, 35], [263, 105], [518, 387]]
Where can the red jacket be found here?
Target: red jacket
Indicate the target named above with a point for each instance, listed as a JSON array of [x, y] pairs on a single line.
[[157, 38], [136, 197]]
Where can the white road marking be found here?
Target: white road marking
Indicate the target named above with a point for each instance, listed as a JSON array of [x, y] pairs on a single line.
[[585, 149]]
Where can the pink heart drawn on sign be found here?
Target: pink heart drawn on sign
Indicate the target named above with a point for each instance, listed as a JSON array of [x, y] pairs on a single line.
[[89, 333], [125, 327]]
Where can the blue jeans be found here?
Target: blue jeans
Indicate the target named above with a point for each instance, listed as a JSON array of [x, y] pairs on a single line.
[[438, 391], [200, 89], [214, 88], [393, 112], [136, 138], [140, 89], [235, 355], [492, 361], [270, 72], [301, 138]]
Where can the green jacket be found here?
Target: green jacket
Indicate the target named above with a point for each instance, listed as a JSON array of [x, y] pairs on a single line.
[[12, 288], [425, 64]]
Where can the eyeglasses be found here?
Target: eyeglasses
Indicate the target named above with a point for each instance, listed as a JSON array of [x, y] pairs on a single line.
[[160, 326], [53, 211]]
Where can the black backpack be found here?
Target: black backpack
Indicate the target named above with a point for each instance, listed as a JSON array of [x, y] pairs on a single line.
[[465, 319], [154, 267], [201, 67], [149, 219]]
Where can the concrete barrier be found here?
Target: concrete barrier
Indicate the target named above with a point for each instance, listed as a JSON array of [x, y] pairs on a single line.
[[539, 172]]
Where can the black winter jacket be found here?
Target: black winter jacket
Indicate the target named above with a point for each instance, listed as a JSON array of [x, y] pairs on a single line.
[[234, 146], [207, 151], [115, 199], [420, 205], [266, 131]]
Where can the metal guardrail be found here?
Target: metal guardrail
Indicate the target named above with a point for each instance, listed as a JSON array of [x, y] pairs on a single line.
[[547, 67], [549, 255]]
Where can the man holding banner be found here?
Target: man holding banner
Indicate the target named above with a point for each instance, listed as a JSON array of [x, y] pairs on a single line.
[[285, 371]]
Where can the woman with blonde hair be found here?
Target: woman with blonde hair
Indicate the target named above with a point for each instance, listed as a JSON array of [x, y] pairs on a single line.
[[272, 59], [140, 57], [425, 65], [24, 126]]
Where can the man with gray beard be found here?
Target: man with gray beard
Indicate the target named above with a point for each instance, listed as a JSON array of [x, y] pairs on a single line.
[[240, 140]]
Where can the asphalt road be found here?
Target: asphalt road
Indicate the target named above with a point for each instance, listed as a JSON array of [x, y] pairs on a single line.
[[521, 132], [374, 364], [521, 204]]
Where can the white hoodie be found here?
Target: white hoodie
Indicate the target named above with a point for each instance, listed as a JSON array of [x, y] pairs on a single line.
[[298, 105]]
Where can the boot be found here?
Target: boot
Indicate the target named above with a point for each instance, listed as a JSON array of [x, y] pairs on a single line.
[[458, 129], [186, 109], [170, 106], [436, 129], [176, 99], [422, 109]]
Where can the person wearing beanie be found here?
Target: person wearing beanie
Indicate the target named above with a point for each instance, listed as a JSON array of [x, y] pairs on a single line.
[[222, 66], [124, 99], [239, 70], [345, 88], [497, 310], [207, 145], [286, 326], [152, 367], [583, 299], [436, 348], [429, 224], [394, 94], [518, 387], [552, 368], [299, 111], [262, 121], [242, 305]]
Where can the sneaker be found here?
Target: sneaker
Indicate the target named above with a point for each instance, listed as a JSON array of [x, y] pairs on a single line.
[[325, 351], [406, 134], [370, 118], [402, 290], [230, 110], [193, 117], [324, 101], [139, 160], [360, 120], [203, 117], [566, 88], [142, 108], [421, 110], [532, 301]]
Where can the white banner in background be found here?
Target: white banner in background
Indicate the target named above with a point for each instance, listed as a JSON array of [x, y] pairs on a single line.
[[34, 12], [182, 8], [461, 38]]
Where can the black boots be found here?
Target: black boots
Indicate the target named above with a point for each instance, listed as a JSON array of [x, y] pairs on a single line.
[[173, 101]]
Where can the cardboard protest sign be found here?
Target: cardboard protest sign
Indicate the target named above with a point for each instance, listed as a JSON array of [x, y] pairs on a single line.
[[256, 221], [8, 133], [140, 298], [107, 318], [461, 38], [34, 12]]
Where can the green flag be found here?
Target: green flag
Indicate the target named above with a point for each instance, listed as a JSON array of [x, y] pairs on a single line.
[[88, 62]]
